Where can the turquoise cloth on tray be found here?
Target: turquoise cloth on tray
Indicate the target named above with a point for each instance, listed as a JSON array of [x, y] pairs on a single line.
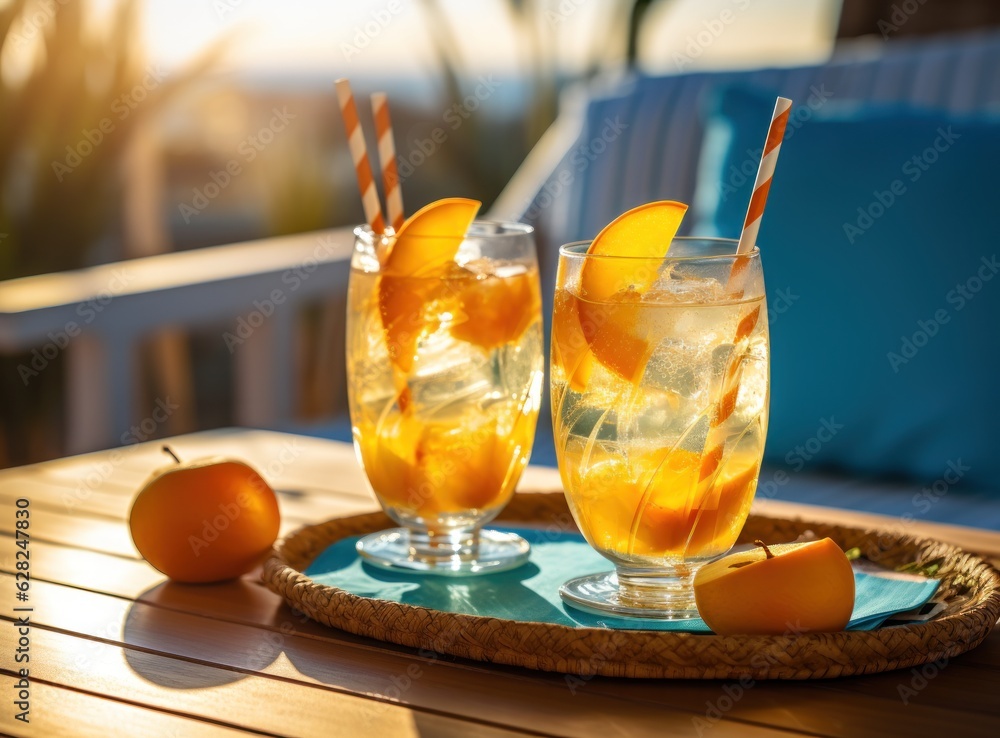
[[531, 592]]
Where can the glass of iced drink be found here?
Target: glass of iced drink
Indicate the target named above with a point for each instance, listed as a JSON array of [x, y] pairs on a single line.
[[444, 366], [659, 402]]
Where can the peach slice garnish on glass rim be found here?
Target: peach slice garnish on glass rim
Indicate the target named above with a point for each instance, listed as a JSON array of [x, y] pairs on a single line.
[[497, 309], [645, 231], [610, 291], [424, 247]]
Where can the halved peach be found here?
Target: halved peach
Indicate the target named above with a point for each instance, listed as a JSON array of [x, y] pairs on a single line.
[[787, 588]]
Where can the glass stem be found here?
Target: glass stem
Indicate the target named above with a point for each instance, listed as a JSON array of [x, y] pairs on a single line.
[[462, 543], [670, 588]]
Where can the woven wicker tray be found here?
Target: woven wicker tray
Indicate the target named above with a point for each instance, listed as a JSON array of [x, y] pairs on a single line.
[[970, 585]]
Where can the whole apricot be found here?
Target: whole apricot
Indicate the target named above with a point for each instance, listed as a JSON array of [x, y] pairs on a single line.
[[204, 521]]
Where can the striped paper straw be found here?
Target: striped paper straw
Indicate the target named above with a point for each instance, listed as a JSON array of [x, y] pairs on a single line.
[[726, 404], [387, 159], [359, 154], [765, 172]]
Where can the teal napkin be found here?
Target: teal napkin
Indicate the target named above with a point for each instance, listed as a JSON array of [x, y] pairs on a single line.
[[531, 592]]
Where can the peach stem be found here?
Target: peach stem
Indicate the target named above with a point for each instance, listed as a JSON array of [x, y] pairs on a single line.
[[167, 449], [763, 545]]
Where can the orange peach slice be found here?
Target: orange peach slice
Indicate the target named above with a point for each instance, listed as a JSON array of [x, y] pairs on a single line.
[[645, 231], [570, 349], [610, 289], [422, 250], [670, 525], [428, 468], [429, 239], [610, 330], [772, 590], [498, 310]]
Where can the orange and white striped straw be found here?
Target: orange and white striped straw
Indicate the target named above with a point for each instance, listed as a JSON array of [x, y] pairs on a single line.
[[387, 160], [359, 154], [765, 172], [726, 404]]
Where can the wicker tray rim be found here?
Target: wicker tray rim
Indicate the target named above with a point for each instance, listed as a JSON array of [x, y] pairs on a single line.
[[631, 653]]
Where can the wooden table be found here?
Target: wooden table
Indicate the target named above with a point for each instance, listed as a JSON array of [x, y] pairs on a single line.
[[116, 650]]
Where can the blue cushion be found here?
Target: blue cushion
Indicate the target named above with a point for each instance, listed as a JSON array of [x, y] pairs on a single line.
[[879, 247]]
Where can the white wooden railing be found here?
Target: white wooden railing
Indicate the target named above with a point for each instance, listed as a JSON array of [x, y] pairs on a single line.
[[99, 316]]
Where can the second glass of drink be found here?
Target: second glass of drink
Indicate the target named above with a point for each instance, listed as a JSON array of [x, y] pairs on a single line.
[[659, 401]]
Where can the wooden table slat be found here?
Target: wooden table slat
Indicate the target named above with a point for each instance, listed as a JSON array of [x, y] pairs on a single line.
[[58, 712], [230, 697]]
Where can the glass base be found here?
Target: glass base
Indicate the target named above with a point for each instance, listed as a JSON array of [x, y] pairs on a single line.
[[461, 553], [657, 595]]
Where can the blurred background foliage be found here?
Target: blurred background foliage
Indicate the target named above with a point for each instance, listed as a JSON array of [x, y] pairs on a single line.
[[72, 93], [60, 77]]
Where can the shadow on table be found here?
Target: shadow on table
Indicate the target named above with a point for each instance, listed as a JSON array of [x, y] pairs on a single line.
[[239, 628], [470, 595], [161, 619], [245, 628]]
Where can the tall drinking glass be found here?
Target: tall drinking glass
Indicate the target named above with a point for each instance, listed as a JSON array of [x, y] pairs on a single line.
[[444, 377], [659, 403]]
